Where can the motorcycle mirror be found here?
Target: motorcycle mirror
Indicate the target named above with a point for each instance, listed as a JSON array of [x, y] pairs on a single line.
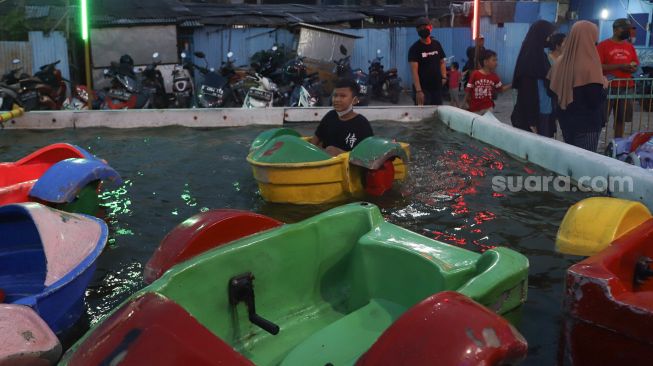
[[343, 50], [230, 54], [183, 55], [199, 54], [378, 51], [274, 48], [155, 55], [15, 61]]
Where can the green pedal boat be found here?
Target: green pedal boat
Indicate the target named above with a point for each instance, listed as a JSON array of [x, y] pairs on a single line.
[[335, 289]]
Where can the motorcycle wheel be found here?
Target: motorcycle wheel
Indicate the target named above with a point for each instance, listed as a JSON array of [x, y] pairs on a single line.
[[394, 96]]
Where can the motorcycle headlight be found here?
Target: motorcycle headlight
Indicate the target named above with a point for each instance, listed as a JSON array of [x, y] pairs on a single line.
[[180, 85]]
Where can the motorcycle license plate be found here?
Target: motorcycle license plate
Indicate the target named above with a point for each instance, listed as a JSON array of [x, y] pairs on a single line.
[[362, 89], [119, 94], [212, 91], [29, 95], [260, 94]]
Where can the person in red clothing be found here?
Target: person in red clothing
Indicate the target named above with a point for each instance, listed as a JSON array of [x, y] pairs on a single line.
[[619, 61], [454, 82], [483, 83]]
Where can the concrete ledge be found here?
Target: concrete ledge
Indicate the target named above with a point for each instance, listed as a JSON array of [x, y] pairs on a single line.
[[225, 117], [385, 113], [556, 156]]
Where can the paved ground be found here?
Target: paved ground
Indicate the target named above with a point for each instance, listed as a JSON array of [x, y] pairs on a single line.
[[642, 121]]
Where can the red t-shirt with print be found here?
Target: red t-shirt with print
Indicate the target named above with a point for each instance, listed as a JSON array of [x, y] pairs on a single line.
[[482, 87], [615, 53]]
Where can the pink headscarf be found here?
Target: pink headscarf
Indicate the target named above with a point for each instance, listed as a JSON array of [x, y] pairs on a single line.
[[579, 64]]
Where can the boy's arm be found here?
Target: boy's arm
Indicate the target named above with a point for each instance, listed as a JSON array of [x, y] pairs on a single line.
[[468, 98], [505, 87], [315, 141]]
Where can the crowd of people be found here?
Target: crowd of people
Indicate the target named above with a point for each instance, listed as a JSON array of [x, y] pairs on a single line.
[[556, 77]]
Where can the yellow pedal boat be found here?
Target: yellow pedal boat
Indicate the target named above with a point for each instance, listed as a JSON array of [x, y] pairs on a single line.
[[289, 169]]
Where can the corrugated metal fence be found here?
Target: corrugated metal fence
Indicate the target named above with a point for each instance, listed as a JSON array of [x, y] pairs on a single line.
[[48, 49], [393, 43], [38, 51]]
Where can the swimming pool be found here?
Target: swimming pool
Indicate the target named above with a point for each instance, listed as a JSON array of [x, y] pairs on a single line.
[[172, 173]]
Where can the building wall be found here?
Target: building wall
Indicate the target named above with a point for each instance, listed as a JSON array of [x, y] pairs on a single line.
[[505, 39], [38, 51]]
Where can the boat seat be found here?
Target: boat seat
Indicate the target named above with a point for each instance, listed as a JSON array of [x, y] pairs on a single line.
[[344, 340]]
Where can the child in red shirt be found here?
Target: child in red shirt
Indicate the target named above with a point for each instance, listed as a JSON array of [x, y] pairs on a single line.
[[454, 81], [483, 83]]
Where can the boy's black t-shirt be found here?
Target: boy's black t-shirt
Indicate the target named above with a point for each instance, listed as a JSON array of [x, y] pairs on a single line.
[[344, 135], [428, 58]]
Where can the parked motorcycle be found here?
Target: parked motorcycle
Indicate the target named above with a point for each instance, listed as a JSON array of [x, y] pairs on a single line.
[[268, 63], [261, 95], [213, 89], [52, 89], [343, 69], [305, 90], [125, 91], [79, 99], [152, 84], [385, 84], [10, 86], [183, 89]]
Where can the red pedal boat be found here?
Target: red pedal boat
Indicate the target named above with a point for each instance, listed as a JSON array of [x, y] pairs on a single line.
[[61, 175], [608, 302]]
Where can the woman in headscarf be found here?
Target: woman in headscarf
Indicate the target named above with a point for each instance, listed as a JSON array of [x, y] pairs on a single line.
[[578, 82], [533, 108]]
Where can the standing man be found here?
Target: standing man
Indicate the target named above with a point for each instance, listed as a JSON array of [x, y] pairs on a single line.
[[619, 61], [427, 65]]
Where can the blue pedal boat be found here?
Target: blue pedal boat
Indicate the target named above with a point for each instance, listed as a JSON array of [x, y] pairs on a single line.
[[47, 259]]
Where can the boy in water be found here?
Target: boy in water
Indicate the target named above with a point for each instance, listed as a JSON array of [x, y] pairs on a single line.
[[342, 129], [454, 81], [483, 83]]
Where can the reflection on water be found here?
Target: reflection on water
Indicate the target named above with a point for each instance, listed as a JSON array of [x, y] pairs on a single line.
[[173, 173]]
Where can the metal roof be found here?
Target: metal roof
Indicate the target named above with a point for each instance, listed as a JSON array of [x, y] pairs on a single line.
[[34, 12]]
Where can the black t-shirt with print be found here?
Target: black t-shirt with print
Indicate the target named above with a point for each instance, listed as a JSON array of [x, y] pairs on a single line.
[[428, 58], [345, 135]]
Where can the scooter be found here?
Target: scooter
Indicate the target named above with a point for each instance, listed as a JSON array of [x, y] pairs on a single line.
[[52, 89], [10, 86], [305, 90], [183, 89], [79, 99], [125, 91], [385, 84], [262, 95], [152, 84], [213, 90], [343, 69]]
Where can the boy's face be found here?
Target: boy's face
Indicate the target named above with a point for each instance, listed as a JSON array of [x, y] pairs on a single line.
[[491, 63], [343, 98]]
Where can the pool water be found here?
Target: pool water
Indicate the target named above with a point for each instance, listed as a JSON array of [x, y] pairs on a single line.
[[173, 173]]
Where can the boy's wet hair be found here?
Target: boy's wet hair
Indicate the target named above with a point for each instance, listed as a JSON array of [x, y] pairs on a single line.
[[347, 83], [488, 54], [455, 65]]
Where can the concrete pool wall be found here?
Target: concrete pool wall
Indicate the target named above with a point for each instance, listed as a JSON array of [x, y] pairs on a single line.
[[226, 117], [556, 156]]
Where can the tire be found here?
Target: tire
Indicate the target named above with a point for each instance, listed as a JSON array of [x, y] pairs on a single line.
[[633, 159], [610, 150]]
